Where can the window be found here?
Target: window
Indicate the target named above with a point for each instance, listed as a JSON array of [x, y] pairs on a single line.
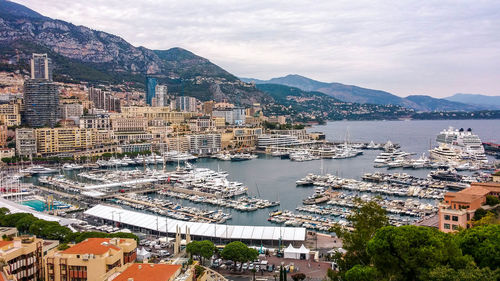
[[446, 226], [454, 218], [447, 217]]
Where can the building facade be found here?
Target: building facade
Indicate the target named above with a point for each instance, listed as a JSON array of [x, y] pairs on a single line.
[[204, 144], [25, 142], [41, 67], [104, 100], [41, 103], [92, 259], [23, 257], [232, 116], [185, 104], [71, 110], [161, 96], [63, 141], [150, 90], [10, 114], [458, 208]]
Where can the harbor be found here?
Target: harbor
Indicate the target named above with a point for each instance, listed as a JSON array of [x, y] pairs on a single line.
[[247, 192]]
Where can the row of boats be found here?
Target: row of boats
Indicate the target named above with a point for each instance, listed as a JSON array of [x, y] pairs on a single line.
[[235, 156], [168, 208], [243, 203]]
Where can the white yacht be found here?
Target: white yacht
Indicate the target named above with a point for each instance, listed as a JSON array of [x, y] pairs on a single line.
[[71, 166], [443, 153], [39, 170]]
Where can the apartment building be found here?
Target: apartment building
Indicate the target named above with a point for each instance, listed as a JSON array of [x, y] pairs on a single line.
[[155, 113], [204, 144], [202, 124], [245, 137], [232, 116], [63, 141], [129, 124], [92, 259], [300, 134], [71, 110], [10, 114], [96, 122], [104, 100], [458, 208], [23, 257], [3, 135], [25, 142]]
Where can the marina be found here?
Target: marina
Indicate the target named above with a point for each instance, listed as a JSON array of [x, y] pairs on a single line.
[[246, 192]]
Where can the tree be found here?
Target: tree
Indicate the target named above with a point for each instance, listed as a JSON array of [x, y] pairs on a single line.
[[366, 219], [238, 252], [361, 273], [411, 252], [202, 249], [483, 244], [445, 273], [492, 200], [23, 224], [479, 213]]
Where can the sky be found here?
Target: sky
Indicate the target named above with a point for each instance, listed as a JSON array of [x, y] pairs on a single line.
[[432, 47]]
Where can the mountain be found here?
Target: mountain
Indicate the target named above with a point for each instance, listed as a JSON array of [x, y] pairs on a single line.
[[82, 54], [310, 105], [350, 93], [476, 99], [427, 103]]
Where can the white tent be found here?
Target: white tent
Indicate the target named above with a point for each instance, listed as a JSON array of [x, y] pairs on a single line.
[[143, 254], [296, 253]]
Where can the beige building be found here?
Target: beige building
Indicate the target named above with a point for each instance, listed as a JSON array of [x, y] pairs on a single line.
[[54, 141], [245, 137], [23, 258], [10, 115], [152, 113], [128, 124], [94, 259], [202, 124]]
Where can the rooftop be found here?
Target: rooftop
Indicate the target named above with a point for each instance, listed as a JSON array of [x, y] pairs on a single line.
[[4, 243], [148, 272], [96, 246]]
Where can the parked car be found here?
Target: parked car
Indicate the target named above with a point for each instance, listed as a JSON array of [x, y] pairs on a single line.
[[245, 266]]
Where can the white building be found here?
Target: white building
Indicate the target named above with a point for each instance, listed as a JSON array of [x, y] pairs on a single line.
[[204, 144], [264, 141], [161, 96], [185, 104], [233, 116], [71, 110]]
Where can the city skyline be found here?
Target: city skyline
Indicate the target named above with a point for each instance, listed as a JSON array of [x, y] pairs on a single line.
[[435, 48]]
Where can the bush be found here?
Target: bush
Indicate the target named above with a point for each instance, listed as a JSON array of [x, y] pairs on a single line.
[[492, 200]]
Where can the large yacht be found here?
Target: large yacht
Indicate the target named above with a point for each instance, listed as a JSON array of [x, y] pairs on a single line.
[[444, 153], [39, 170], [463, 142]]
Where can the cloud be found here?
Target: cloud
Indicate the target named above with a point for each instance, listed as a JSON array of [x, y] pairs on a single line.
[[435, 47]]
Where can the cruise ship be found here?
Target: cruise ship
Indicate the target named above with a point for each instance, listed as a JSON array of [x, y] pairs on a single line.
[[464, 142]]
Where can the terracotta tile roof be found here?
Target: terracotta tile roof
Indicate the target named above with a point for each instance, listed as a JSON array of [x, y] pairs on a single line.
[[491, 186], [475, 190], [4, 243], [148, 272], [96, 246]]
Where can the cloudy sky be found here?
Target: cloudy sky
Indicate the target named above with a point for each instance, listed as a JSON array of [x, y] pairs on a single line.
[[434, 47]]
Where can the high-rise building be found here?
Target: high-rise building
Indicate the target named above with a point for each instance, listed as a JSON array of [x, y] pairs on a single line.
[[185, 104], [161, 96], [150, 90], [41, 67], [104, 100], [41, 102]]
